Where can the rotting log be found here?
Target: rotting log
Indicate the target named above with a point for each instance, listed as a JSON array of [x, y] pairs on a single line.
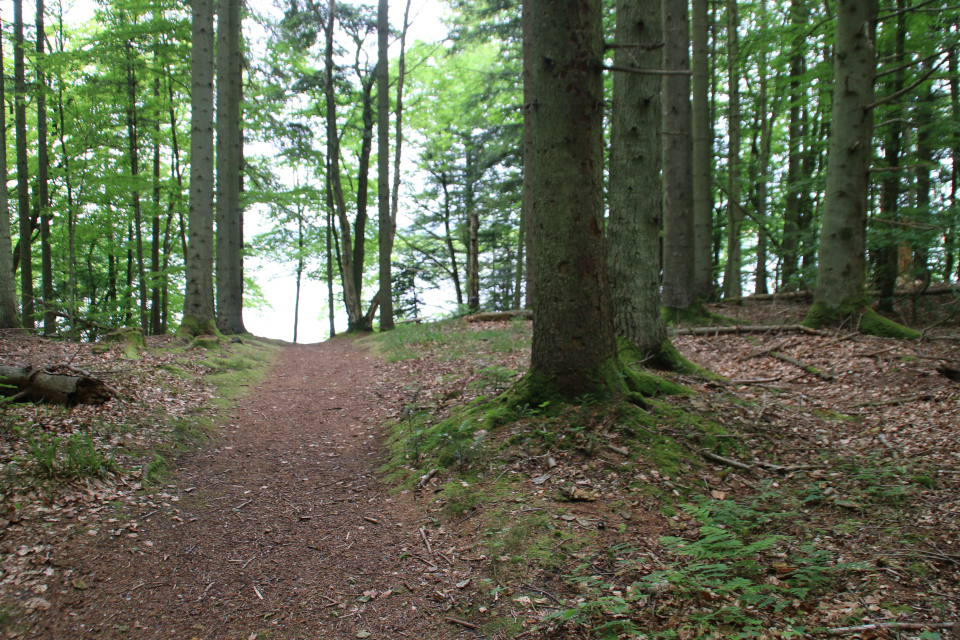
[[950, 371], [906, 292], [763, 328], [36, 385], [499, 316]]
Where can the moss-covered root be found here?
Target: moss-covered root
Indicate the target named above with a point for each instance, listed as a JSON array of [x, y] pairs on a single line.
[[191, 327], [669, 358], [868, 320], [129, 339], [696, 315]]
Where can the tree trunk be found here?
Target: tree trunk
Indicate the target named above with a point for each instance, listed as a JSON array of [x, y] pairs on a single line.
[[43, 188], [679, 271], [36, 385], [198, 313], [573, 329], [296, 301], [702, 128], [8, 286], [791, 213], [473, 223], [448, 239], [636, 190], [950, 239], [363, 177], [330, 306], [351, 297], [840, 270], [884, 253], [155, 315], [23, 175], [133, 147], [527, 196], [925, 159], [229, 159], [731, 276], [383, 166]]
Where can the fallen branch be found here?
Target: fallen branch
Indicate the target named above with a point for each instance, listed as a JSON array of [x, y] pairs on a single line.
[[934, 289], [902, 626], [498, 316], [727, 461], [468, 625], [949, 371], [801, 365], [763, 328]]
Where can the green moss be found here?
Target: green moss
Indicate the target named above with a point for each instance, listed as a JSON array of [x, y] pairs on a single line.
[[696, 315], [129, 339], [866, 319], [191, 327], [204, 342]]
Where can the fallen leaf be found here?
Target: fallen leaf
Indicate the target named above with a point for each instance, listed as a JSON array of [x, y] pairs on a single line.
[[718, 495], [541, 479], [79, 584]]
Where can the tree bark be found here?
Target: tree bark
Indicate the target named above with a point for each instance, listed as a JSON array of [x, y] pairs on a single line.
[[43, 187], [8, 288], [36, 385], [732, 287], [573, 328], [702, 129], [133, 148], [23, 175], [527, 196], [198, 313], [679, 271], [448, 239], [636, 190], [840, 270], [155, 287], [229, 158], [791, 213], [383, 166]]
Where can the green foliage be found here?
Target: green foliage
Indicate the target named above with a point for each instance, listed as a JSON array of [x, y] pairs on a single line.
[[68, 458]]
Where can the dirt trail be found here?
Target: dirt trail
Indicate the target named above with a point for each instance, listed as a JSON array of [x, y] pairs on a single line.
[[277, 528]]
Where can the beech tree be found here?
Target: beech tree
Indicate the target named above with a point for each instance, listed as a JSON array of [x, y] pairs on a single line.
[[8, 290]]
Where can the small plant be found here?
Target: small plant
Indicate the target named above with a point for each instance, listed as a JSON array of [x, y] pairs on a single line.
[[494, 377], [73, 457], [464, 443]]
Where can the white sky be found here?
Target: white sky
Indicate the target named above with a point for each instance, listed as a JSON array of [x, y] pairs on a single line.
[[278, 282]]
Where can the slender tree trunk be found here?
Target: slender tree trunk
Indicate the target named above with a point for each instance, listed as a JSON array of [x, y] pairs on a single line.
[[23, 175], [43, 188], [175, 162], [351, 296], [840, 270], [573, 337], [925, 159], [527, 196], [229, 158], [198, 312], [679, 271], [702, 128], [133, 146], [473, 224], [363, 177], [448, 238], [128, 291], [950, 238], [521, 239], [8, 288], [383, 170], [731, 278], [636, 190], [884, 253], [296, 301], [791, 214], [155, 311]]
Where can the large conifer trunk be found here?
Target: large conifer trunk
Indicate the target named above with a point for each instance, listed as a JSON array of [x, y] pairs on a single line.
[[573, 329], [635, 186], [840, 269]]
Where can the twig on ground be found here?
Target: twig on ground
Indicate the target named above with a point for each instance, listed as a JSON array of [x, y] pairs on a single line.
[[468, 625], [727, 461], [901, 626]]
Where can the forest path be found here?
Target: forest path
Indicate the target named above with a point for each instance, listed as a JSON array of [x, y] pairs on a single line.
[[269, 528]]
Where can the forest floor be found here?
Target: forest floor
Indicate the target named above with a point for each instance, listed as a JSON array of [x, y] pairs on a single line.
[[264, 492]]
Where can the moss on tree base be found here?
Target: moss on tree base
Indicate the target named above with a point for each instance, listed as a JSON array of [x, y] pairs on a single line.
[[668, 358], [191, 327], [867, 320], [695, 315]]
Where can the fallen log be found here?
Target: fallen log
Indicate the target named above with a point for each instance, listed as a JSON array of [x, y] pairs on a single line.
[[801, 365], [905, 292], [763, 328], [950, 371], [37, 385], [499, 316]]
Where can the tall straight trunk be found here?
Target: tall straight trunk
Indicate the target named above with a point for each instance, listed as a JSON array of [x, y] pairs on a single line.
[[229, 159], [473, 225], [765, 119], [702, 133], [155, 287], [71, 210], [636, 190], [8, 286], [518, 280], [23, 175], [351, 296], [527, 195], [791, 212], [128, 291], [950, 237], [732, 287], [925, 159], [133, 147], [448, 239], [840, 269], [43, 188], [679, 271], [363, 178], [573, 337], [383, 167], [175, 167], [296, 300], [884, 253], [330, 233], [198, 313]]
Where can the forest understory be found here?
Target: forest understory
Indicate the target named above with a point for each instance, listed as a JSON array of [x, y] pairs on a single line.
[[253, 491]]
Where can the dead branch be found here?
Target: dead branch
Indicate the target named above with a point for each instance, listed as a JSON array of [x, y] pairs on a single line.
[[38, 385], [902, 626], [498, 316], [801, 365], [736, 464], [709, 331]]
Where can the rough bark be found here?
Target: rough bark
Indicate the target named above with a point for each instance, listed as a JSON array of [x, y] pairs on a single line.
[[43, 187], [23, 175], [527, 202], [573, 329], [229, 262], [198, 314], [8, 288], [448, 239], [155, 288], [732, 287], [702, 128], [133, 149], [679, 271], [636, 191], [36, 385], [840, 272], [473, 224], [383, 167]]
